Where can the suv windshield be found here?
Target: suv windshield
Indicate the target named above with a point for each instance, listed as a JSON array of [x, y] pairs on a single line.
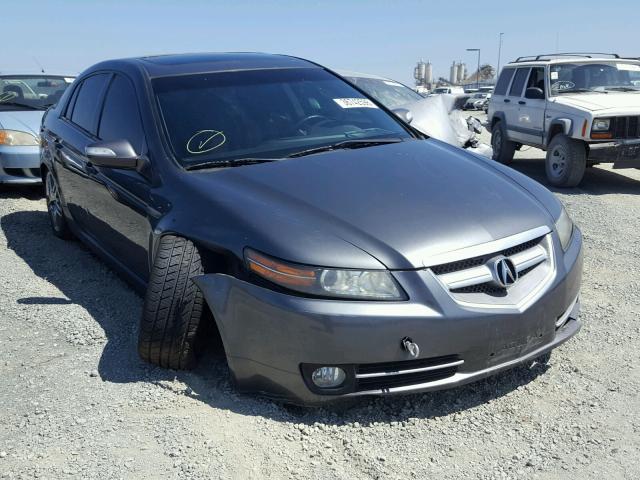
[[614, 76], [389, 93], [265, 114], [18, 92]]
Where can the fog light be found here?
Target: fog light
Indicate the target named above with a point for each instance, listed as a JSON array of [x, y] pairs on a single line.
[[328, 377]]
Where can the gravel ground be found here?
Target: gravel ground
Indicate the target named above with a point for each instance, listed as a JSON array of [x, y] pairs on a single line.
[[76, 402]]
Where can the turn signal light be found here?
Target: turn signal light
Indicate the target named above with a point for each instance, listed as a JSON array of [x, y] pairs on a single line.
[[280, 272], [603, 135]]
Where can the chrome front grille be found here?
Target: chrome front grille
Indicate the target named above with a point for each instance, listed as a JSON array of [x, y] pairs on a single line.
[[473, 280]]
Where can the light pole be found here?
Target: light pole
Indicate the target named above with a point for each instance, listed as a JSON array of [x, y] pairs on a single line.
[[499, 53], [478, 72]]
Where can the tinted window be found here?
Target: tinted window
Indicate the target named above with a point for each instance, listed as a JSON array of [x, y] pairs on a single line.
[[120, 115], [518, 82], [72, 102], [536, 79], [85, 110], [503, 81], [265, 113]]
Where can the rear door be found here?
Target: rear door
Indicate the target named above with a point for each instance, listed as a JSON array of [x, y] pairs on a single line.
[[531, 110], [512, 103], [499, 102], [77, 130]]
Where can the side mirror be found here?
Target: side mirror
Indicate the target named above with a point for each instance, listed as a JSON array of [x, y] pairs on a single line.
[[404, 114], [115, 154], [534, 93]]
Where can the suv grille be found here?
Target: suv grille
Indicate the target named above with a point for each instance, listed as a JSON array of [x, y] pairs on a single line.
[[626, 127]]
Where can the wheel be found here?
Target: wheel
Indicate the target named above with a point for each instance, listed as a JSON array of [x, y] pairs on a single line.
[[54, 207], [503, 148], [173, 306], [566, 161]]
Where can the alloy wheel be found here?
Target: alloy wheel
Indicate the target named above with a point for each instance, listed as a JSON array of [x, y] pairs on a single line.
[[53, 201]]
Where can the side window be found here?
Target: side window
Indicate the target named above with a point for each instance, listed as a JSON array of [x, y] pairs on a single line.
[[72, 102], [87, 102], [536, 78], [503, 81], [120, 118], [518, 82]]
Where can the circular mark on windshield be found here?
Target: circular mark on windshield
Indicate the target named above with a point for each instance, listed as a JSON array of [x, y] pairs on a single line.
[[563, 85], [204, 141]]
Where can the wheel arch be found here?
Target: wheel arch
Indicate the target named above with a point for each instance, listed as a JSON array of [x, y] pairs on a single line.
[[559, 126], [497, 117]]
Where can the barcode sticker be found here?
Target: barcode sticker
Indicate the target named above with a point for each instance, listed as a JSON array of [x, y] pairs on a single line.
[[355, 103]]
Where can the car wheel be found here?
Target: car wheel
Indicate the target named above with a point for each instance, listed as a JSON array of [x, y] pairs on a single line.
[[173, 306], [54, 207], [566, 161], [503, 148]]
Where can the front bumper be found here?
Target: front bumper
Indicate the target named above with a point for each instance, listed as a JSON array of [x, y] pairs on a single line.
[[20, 165], [623, 153], [270, 337]]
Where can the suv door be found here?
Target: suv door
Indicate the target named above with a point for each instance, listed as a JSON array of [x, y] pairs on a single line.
[[531, 110], [120, 198], [511, 110], [77, 130], [499, 101]]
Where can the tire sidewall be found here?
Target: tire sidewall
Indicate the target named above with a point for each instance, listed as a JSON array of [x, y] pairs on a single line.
[[565, 162]]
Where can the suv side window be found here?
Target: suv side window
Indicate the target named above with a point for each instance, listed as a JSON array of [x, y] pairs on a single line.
[[536, 78], [503, 81], [120, 119], [518, 82], [87, 102]]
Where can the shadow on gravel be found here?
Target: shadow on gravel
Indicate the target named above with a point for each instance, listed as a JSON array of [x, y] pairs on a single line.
[[85, 281], [597, 181]]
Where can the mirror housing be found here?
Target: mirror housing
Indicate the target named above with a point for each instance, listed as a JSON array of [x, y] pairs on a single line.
[[534, 93], [114, 154], [404, 114]]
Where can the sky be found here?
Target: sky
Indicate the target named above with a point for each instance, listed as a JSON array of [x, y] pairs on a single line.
[[381, 37]]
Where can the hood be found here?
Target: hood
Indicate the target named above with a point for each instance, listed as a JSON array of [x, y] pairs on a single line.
[[622, 101], [22, 121], [401, 203]]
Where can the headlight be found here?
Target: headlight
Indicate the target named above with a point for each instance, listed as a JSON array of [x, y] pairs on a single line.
[[601, 124], [564, 227], [15, 138], [326, 282]]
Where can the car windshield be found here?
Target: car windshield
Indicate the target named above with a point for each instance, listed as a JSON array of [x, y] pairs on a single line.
[[270, 113], [616, 76], [441, 90], [19, 92], [389, 93]]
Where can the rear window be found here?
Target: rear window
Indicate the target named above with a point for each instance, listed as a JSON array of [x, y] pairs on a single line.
[[518, 82], [503, 81], [86, 107]]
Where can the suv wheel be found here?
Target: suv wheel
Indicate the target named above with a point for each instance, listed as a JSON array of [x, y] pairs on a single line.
[[566, 161], [54, 207], [173, 306], [503, 148]]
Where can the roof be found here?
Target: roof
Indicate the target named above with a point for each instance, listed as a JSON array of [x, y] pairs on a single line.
[[347, 73], [190, 63], [555, 58]]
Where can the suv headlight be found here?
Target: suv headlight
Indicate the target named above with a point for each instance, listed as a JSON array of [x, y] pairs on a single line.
[[16, 138], [325, 282], [601, 125], [564, 227]]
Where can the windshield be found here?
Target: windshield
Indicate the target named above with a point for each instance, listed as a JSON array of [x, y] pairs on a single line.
[[265, 114], [441, 90], [19, 92], [599, 77], [389, 93]]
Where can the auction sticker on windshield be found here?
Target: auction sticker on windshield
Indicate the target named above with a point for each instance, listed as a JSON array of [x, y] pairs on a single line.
[[355, 103]]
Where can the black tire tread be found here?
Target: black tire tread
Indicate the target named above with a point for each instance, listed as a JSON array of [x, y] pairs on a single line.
[[508, 149], [173, 306], [577, 158]]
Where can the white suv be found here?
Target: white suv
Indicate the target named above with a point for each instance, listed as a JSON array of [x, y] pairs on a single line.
[[583, 109]]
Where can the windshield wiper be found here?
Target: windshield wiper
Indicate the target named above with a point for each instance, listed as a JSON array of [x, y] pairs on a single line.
[[234, 162], [623, 89], [18, 104], [580, 90], [346, 144]]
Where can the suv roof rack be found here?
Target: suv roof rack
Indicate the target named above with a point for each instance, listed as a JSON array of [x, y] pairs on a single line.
[[550, 56]]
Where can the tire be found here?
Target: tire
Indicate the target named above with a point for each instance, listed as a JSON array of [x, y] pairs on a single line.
[[57, 219], [173, 306], [566, 161], [503, 148]]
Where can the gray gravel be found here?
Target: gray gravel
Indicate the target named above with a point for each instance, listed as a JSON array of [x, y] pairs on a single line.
[[76, 402]]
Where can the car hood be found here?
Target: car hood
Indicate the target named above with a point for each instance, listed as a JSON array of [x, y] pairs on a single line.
[[23, 121], [602, 101], [401, 203]]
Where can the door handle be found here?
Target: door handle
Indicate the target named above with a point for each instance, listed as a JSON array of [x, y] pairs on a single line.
[[506, 100], [522, 102]]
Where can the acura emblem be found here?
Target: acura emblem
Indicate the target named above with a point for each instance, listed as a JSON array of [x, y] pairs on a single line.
[[504, 272]]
